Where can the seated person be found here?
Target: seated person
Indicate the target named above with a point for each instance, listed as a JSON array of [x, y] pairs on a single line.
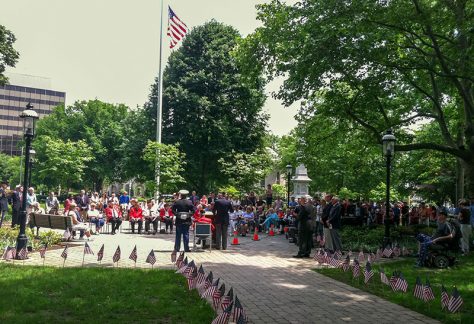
[[247, 220], [442, 237], [200, 217], [77, 222], [151, 215], [271, 219], [234, 217], [167, 216], [114, 215], [136, 216], [95, 217]]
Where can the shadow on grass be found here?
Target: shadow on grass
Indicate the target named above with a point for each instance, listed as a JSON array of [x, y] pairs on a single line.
[[47, 294]]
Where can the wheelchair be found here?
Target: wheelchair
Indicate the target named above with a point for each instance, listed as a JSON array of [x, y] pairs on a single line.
[[442, 256]]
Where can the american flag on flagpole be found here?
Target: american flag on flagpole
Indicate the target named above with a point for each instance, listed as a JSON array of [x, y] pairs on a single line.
[[116, 256], [210, 291], [418, 291], [444, 298], [200, 276], [368, 272], [64, 253], [87, 249], [217, 296], [176, 28], [134, 255], [387, 252], [224, 317], [173, 257], [238, 310], [180, 259], [346, 265], [428, 293], [401, 284], [396, 252], [241, 320], [151, 259], [455, 302], [206, 284], [23, 254], [184, 265], [334, 262], [338, 254], [383, 278], [393, 281], [190, 267], [100, 254], [356, 269], [191, 279], [42, 251], [227, 299]]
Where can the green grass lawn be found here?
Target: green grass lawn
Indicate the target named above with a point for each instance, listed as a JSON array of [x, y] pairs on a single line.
[[461, 276], [93, 295]]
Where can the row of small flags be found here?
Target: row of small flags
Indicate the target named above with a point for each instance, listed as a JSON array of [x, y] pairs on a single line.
[[206, 286], [397, 282], [10, 253]]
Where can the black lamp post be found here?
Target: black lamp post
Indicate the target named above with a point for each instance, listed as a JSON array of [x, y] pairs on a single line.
[[388, 149], [29, 117], [289, 169]]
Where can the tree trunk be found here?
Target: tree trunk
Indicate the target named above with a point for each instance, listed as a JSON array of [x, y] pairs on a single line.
[[469, 174], [459, 180]]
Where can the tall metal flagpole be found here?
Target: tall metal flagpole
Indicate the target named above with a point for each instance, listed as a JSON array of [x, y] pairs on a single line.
[[159, 108]]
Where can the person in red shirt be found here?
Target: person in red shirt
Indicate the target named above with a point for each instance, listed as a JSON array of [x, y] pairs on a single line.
[[166, 215], [136, 216], [114, 215], [200, 217]]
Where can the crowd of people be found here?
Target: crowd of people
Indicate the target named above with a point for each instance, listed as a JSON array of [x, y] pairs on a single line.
[[313, 218]]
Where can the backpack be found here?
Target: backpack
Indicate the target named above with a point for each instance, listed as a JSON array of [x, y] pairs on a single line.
[[456, 228]]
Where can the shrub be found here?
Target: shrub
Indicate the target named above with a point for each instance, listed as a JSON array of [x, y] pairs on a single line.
[[50, 238]]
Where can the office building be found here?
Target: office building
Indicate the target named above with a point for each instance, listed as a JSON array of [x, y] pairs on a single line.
[[21, 90]]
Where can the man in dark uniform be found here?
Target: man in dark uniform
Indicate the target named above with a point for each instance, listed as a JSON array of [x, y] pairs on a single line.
[[16, 200], [182, 205], [304, 229], [3, 201], [222, 208]]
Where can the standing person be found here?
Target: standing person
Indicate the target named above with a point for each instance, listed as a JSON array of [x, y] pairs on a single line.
[[405, 211], [212, 198], [16, 200], [114, 215], [103, 202], [124, 200], [252, 199], [67, 203], [52, 204], [194, 198], [183, 209], [465, 224], [327, 238], [136, 216], [269, 195], [305, 237], [222, 208], [82, 202], [3, 201], [334, 223], [151, 215], [31, 204]]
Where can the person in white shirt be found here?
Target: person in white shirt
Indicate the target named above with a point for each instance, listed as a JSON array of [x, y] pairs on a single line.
[[96, 218], [151, 215]]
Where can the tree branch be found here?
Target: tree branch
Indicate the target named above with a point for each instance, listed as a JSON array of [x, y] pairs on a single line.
[[433, 146]]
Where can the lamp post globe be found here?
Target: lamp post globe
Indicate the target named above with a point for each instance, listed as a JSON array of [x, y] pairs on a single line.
[[29, 117], [289, 169], [388, 150]]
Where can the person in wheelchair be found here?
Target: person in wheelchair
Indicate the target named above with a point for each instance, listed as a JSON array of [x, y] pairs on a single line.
[[441, 240]]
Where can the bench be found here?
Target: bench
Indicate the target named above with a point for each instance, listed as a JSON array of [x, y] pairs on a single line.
[[51, 221]]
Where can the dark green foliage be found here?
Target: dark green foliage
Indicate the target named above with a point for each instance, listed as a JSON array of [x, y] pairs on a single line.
[[8, 55], [94, 295]]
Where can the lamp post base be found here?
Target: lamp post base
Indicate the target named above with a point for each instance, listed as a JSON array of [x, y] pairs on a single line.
[[21, 243]]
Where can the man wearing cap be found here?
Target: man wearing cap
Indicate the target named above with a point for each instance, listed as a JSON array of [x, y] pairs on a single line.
[[3, 201], [180, 208]]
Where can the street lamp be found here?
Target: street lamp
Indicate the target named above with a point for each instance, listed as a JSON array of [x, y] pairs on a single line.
[[388, 149], [29, 117], [289, 169]]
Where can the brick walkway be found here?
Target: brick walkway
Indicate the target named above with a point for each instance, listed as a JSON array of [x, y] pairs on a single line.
[[272, 286]]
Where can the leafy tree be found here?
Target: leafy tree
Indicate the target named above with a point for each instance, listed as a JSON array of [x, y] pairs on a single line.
[[245, 170], [279, 191], [171, 163], [379, 192], [8, 55], [374, 65], [10, 169], [100, 126], [230, 190], [207, 106], [61, 163]]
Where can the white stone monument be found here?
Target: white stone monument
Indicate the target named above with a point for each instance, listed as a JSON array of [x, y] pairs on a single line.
[[300, 182]]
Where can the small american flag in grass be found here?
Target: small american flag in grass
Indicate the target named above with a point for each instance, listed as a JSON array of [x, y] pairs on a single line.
[[64, 253], [116, 256], [455, 302], [151, 259], [418, 291], [134, 255], [87, 249], [428, 293]]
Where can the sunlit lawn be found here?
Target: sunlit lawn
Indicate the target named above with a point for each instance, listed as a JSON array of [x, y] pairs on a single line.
[[93, 295], [461, 276]]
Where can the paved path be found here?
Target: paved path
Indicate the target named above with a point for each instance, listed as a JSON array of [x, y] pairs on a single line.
[[272, 286]]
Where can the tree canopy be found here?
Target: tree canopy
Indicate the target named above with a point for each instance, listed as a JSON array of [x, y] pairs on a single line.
[[372, 65], [8, 55]]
